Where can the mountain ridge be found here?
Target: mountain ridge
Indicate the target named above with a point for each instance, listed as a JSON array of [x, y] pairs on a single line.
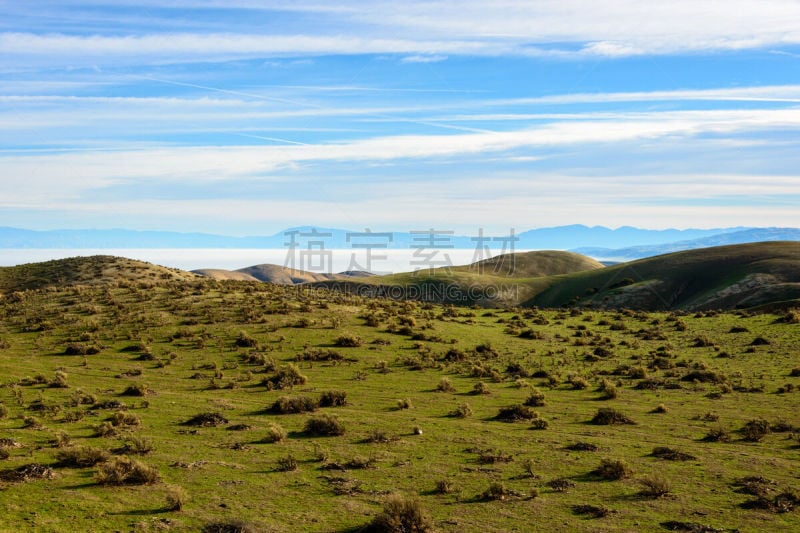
[[548, 238]]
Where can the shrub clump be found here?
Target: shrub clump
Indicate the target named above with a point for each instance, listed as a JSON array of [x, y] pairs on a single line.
[[28, 472], [536, 399], [348, 340], [671, 454], [286, 464], [654, 487], [612, 470], [209, 419], [607, 416], [718, 434], [755, 430], [583, 447], [480, 388], [324, 426], [516, 413], [81, 457], [288, 405], [137, 390], [275, 433], [445, 385], [496, 492], [704, 376], [401, 514], [81, 349], [126, 471], [316, 354], [591, 510], [333, 398], [463, 410], [285, 378], [243, 340]]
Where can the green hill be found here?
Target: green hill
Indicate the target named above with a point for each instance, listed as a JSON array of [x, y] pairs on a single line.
[[533, 264], [505, 280], [724, 277]]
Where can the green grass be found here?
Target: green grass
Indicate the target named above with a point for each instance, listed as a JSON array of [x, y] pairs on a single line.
[[190, 328]]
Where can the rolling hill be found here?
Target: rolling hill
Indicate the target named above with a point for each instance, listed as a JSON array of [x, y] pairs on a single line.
[[724, 277], [277, 274], [504, 280], [532, 264], [92, 270]]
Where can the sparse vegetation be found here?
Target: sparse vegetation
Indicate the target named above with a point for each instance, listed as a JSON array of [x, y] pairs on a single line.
[[146, 393]]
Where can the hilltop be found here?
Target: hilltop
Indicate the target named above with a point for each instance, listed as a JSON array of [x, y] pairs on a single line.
[[92, 270], [533, 264]]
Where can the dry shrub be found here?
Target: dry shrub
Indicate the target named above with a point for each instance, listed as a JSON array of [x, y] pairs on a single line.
[[81, 457], [275, 433], [209, 419], [612, 470], [175, 498], [401, 515], [286, 405], [671, 454], [654, 486], [607, 416], [593, 511], [516, 413], [126, 471], [25, 473], [333, 398], [285, 378], [324, 426]]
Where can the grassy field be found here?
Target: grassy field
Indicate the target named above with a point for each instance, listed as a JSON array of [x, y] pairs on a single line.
[[94, 375]]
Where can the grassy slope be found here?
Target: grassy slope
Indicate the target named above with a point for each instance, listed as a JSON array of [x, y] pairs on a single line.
[[190, 328], [533, 264], [504, 280], [691, 279], [221, 274], [84, 271]]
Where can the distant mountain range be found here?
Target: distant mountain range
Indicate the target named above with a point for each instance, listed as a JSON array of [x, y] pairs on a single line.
[[600, 242], [734, 237]]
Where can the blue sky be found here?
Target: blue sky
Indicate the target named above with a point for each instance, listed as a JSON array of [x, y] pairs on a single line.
[[245, 117]]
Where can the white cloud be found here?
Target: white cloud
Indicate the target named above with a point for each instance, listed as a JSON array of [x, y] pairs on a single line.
[[431, 30], [423, 59], [67, 175]]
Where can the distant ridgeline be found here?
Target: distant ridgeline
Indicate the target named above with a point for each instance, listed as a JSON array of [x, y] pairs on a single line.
[[599, 242]]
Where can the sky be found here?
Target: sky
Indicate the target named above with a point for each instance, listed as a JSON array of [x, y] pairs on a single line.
[[245, 117]]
